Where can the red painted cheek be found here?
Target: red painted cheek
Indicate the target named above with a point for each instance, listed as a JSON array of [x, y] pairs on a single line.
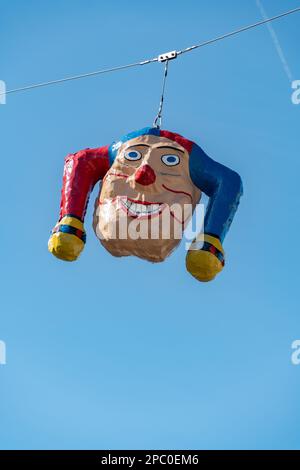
[[145, 175]]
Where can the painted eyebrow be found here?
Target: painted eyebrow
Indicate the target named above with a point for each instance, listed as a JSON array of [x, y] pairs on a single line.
[[161, 147], [138, 145], [170, 147]]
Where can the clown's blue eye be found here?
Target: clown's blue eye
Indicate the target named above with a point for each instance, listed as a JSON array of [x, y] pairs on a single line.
[[132, 155], [170, 160]]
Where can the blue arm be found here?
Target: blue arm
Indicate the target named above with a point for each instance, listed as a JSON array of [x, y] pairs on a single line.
[[222, 185]]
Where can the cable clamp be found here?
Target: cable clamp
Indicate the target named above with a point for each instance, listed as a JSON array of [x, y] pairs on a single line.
[[167, 56]]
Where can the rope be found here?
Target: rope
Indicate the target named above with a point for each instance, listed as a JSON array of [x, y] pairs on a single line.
[[155, 59], [158, 120]]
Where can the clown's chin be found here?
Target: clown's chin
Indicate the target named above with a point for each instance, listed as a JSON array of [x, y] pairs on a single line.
[[155, 252], [148, 239]]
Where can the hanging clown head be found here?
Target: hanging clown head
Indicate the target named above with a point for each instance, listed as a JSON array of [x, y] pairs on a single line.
[[151, 182], [146, 195]]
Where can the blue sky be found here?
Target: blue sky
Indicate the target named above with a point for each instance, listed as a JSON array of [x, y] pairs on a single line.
[[119, 353]]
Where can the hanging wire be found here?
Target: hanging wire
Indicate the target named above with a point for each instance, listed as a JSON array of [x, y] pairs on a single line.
[[155, 59], [158, 120], [238, 31], [84, 75]]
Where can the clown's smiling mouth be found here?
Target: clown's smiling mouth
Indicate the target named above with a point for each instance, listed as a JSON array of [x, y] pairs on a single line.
[[141, 208]]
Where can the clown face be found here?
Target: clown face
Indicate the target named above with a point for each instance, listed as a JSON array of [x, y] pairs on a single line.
[[146, 199]]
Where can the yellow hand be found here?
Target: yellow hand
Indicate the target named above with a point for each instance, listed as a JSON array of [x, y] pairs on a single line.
[[204, 265], [66, 246]]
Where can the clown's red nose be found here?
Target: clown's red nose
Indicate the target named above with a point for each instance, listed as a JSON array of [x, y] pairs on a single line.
[[145, 175]]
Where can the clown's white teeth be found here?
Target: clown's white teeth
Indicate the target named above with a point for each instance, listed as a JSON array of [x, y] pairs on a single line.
[[141, 209]]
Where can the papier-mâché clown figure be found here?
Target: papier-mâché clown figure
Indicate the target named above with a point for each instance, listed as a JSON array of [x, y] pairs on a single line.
[[142, 176]]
